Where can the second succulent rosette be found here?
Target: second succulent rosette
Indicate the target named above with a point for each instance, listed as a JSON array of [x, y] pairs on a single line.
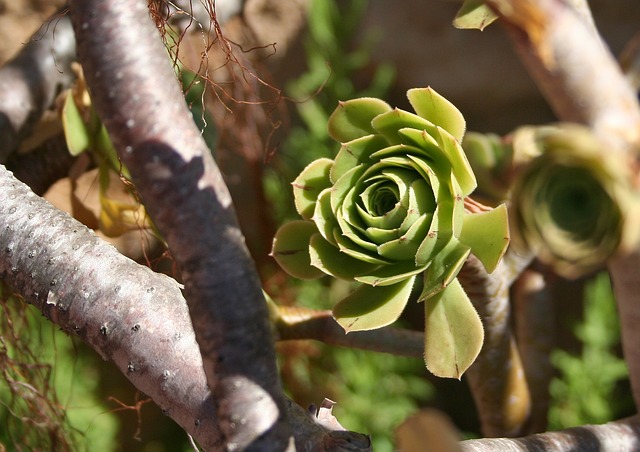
[[389, 209]]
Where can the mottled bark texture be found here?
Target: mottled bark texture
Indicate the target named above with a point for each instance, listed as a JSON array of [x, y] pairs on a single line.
[[136, 93], [31, 80], [126, 312], [622, 435]]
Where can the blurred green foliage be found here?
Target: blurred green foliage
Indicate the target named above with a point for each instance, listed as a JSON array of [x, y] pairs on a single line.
[[328, 79], [588, 390]]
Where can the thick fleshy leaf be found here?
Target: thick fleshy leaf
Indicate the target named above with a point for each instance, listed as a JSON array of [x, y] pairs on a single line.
[[388, 124], [347, 246], [432, 106], [474, 14], [352, 118], [406, 246], [451, 149], [453, 332], [390, 274], [324, 217], [487, 234], [332, 261], [369, 308], [76, 133], [291, 249], [443, 269], [432, 242], [491, 160], [344, 185], [308, 185], [421, 200], [354, 153]]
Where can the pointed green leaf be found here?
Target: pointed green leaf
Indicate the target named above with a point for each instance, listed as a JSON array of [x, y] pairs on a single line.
[[453, 332], [451, 150], [388, 124], [291, 249], [444, 267], [432, 106], [308, 185], [370, 307], [352, 118], [348, 246], [487, 234], [332, 261], [354, 153], [474, 14], [390, 274], [405, 247], [77, 135], [344, 184], [323, 216]]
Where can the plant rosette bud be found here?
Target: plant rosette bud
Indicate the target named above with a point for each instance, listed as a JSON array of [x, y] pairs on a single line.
[[573, 202], [389, 209]]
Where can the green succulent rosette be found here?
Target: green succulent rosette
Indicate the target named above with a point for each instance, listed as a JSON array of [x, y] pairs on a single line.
[[573, 202], [389, 211]]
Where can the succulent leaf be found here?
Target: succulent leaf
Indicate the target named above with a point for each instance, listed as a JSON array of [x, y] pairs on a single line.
[[369, 308], [326, 257], [443, 269], [77, 135], [487, 234], [427, 103], [388, 124], [308, 185], [324, 217], [449, 149], [291, 249], [453, 332], [354, 153], [474, 14], [352, 119]]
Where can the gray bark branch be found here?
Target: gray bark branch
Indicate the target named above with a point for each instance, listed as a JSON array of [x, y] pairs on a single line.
[[30, 81], [127, 313], [136, 93]]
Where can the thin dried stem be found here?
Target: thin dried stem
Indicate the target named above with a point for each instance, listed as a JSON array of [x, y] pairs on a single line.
[[295, 323]]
